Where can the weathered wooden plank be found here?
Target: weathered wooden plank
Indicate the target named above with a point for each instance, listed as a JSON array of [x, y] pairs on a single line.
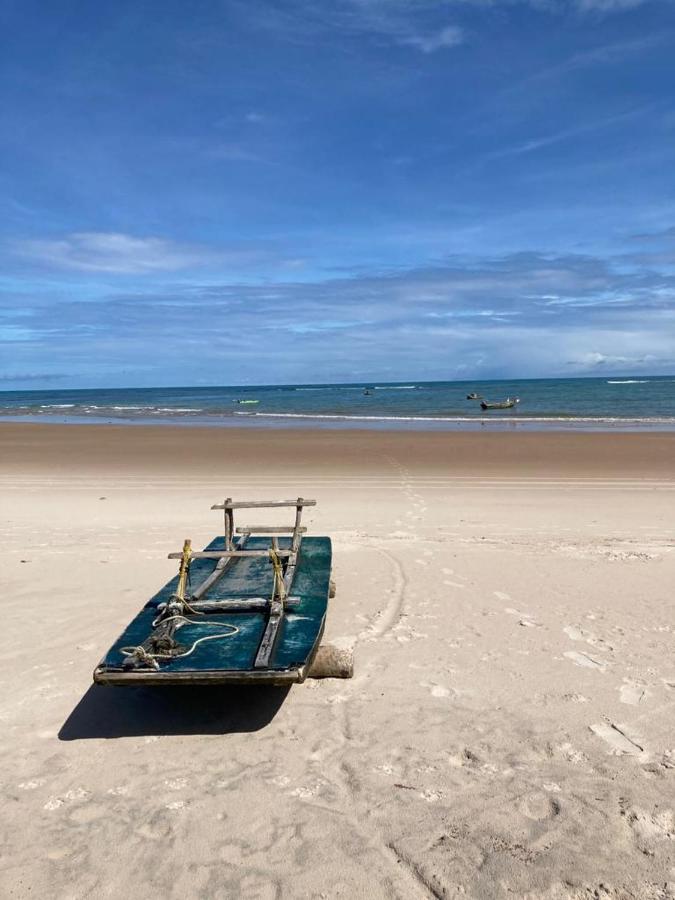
[[297, 530], [103, 675], [269, 638], [267, 529], [219, 554], [229, 523], [262, 504]]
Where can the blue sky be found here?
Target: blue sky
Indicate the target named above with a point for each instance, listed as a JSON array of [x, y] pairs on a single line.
[[249, 191]]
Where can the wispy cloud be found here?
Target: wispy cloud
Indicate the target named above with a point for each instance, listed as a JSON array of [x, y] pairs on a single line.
[[450, 36], [400, 22], [19, 377], [111, 252], [607, 5], [566, 134], [525, 313], [596, 360], [114, 253]]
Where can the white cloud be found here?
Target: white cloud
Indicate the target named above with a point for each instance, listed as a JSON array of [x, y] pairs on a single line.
[[492, 316], [607, 5], [96, 251], [125, 254], [450, 36], [597, 360]]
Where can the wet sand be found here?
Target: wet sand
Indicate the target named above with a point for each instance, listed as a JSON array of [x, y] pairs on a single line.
[[508, 731]]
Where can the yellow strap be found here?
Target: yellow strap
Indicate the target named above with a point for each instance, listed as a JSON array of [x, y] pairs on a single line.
[[183, 569], [278, 575]]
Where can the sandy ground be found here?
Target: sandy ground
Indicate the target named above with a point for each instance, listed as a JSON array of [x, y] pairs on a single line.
[[508, 732]]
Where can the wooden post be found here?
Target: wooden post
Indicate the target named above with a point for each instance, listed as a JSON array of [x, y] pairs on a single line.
[[229, 523], [184, 568], [296, 530]]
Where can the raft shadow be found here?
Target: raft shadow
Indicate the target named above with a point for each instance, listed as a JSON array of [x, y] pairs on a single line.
[[108, 712]]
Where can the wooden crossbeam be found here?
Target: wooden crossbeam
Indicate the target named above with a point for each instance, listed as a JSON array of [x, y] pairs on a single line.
[[221, 554], [269, 529], [262, 504], [221, 567], [238, 604]]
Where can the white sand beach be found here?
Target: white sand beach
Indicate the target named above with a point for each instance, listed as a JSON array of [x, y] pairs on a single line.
[[509, 729]]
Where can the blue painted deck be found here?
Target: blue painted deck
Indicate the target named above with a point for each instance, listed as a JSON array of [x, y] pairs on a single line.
[[232, 658]]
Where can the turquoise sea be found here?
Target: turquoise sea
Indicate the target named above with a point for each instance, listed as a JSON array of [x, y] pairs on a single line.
[[610, 403]]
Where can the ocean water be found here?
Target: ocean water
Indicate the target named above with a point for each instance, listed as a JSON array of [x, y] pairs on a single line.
[[611, 403]]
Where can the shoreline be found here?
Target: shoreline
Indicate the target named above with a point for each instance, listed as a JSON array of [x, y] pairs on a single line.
[[336, 422], [211, 451]]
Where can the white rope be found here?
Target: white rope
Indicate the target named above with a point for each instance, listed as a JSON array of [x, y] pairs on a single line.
[[152, 658]]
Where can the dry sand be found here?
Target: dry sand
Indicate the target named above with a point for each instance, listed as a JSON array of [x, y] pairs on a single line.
[[508, 733]]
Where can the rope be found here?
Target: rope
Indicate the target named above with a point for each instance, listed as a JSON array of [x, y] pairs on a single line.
[[150, 658], [278, 576]]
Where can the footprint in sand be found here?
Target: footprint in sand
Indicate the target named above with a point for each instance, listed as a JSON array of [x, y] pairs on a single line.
[[574, 633], [619, 742], [539, 807], [384, 769], [431, 796], [307, 792], [649, 829], [501, 595], [632, 693], [526, 619], [176, 784], [31, 785], [436, 690], [588, 662], [68, 797]]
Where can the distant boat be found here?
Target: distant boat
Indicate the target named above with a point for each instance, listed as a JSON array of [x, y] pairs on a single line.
[[509, 403], [247, 401], [474, 396]]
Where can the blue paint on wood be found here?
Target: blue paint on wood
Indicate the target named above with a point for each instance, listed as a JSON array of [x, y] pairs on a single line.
[[301, 627]]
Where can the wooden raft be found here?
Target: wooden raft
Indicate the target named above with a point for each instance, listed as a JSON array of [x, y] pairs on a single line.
[[272, 582]]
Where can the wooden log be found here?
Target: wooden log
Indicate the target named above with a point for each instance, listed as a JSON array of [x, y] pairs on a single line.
[[332, 662]]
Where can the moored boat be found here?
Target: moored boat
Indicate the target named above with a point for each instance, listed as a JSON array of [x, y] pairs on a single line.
[[509, 403]]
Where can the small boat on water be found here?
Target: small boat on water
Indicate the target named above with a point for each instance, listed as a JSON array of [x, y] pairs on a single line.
[[474, 396], [247, 401], [509, 403]]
